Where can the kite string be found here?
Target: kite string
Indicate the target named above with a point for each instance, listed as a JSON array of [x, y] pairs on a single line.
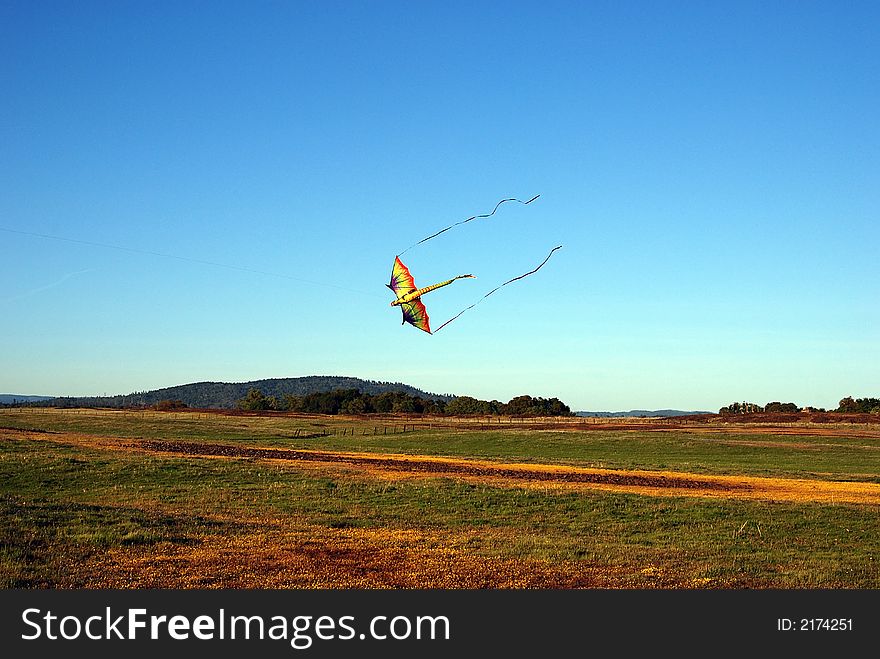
[[472, 217], [509, 281]]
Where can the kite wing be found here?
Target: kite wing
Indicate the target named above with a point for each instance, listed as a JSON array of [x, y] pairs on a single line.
[[416, 315], [401, 280], [402, 283]]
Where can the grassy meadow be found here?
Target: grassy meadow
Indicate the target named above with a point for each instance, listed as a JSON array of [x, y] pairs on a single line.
[[84, 507]]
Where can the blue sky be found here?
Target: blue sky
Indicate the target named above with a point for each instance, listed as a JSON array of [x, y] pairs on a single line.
[[711, 169]]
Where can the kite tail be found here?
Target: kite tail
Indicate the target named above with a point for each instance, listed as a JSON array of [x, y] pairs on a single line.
[[509, 281], [434, 287], [472, 217]]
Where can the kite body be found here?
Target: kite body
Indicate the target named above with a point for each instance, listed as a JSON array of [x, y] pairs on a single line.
[[409, 296]]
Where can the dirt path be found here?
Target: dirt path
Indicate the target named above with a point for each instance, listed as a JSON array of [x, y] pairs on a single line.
[[400, 466], [654, 483]]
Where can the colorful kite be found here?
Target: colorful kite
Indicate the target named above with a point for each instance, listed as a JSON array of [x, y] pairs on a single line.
[[409, 296]]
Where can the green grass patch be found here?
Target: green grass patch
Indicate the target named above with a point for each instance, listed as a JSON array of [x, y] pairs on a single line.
[[764, 454]]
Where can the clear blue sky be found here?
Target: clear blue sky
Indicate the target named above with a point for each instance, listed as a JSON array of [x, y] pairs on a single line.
[[711, 169]]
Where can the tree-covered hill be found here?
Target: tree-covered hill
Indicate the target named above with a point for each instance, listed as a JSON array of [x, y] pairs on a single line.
[[227, 394]]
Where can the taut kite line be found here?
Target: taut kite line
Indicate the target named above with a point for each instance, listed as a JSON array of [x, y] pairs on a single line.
[[409, 295], [509, 281], [472, 217]]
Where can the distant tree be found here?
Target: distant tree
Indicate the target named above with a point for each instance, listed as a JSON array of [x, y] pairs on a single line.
[[435, 407], [403, 404], [530, 406], [355, 406], [741, 408], [464, 405], [518, 405], [776, 406], [556, 407], [384, 402], [859, 405], [254, 401]]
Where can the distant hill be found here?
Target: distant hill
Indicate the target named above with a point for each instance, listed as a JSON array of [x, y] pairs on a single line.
[[227, 394], [6, 399], [640, 413]]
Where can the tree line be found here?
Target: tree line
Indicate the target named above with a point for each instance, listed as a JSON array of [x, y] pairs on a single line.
[[846, 405], [353, 401], [860, 405]]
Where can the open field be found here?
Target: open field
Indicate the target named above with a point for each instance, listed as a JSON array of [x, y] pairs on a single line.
[[94, 498]]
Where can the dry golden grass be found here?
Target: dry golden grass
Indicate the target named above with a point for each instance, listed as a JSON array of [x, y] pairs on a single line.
[[278, 554]]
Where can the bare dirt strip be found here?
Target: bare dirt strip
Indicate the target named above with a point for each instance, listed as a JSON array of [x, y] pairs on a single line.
[[401, 466]]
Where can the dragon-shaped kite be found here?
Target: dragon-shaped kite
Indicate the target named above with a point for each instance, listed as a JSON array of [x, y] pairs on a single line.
[[409, 295]]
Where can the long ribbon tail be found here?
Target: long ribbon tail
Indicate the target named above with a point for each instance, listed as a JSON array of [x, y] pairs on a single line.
[[472, 217], [509, 281]]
